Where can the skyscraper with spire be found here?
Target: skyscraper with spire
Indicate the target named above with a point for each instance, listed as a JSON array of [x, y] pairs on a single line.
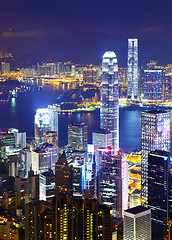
[[109, 108], [132, 69]]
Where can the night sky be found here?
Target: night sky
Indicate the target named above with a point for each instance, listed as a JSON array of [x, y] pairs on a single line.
[[81, 31]]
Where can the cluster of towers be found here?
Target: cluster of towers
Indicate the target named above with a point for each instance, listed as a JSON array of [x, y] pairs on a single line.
[[156, 174], [72, 196]]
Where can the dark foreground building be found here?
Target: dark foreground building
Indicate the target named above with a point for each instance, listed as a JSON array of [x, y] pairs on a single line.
[[160, 192], [68, 218]]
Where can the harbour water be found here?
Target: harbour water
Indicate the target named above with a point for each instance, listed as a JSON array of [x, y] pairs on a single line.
[[19, 113]]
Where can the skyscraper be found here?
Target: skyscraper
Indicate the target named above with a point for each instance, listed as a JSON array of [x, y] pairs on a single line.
[[113, 183], [89, 76], [46, 119], [77, 136], [102, 139], [137, 223], [167, 87], [152, 89], [90, 180], [77, 218], [132, 69], [159, 191], [109, 106], [155, 135], [63, 175]]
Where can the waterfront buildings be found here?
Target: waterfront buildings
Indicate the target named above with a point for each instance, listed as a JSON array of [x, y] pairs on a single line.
[[167, 87], [46, 119], [77, 136], [5, 67], [137, 223], [160, 192], [155, 135], [122, 78], [8, 139], [109, 103], [89, 76], [20, 139], [152, 85], [132, 69]]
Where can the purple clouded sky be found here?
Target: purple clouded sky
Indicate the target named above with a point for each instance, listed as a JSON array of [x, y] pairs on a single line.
[[81, 31]]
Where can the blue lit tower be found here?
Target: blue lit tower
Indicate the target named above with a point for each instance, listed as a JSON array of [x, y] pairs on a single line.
[[132, 69], [109, 108]]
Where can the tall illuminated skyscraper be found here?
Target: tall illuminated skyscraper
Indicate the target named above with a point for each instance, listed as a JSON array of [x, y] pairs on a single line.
[[109, 108], [132, 69], [46, 119], [155, 135]]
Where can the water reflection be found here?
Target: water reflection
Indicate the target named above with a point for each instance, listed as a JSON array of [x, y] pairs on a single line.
[[13, 105]]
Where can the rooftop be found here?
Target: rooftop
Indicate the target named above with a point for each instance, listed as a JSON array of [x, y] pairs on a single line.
[[155, 111], [79, 124], [160, 153], [137, 210], [102, 131]]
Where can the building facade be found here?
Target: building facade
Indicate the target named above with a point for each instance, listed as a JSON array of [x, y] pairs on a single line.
[[77, 136], [137, 223], [46, 119], [90, 173], [155, 134], [63, 175], [167, 87], [132, 69], [109, 103], [152, 85], [89, 76], [81, 219], [160, 192], [113, 183]]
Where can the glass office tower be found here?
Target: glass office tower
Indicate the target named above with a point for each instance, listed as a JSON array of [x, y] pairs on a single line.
[[160, 192], [109, 108], [152, 85], [132, 69], [155, 135], [46, 119]]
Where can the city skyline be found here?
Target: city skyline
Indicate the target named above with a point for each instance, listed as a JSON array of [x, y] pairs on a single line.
[[83, 32], [86, 120]]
